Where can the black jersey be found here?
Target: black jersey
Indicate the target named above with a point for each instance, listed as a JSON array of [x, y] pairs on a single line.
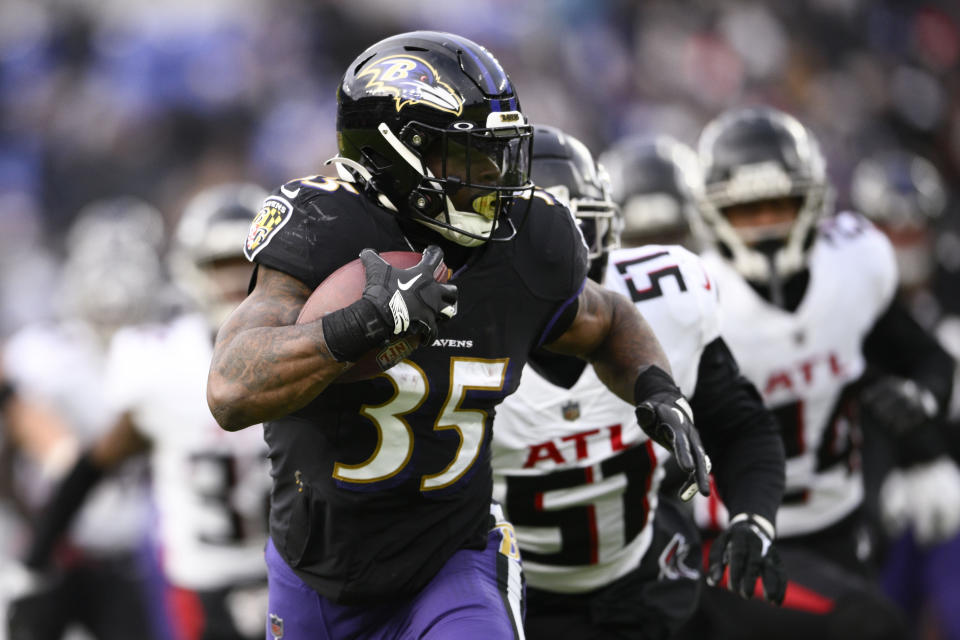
[[377, 483]]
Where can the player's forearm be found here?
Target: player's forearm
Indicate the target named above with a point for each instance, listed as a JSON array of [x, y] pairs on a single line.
[[628, 347], [267, 372]]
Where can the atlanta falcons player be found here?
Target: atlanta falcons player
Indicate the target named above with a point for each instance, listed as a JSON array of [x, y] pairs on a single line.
[[210, 488], [55, 404], [807, 299], [602, 551]]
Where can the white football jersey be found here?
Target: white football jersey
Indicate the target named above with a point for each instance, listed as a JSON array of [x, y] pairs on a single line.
[[803, 363], [211, 487], [61, 365], [576, 474]]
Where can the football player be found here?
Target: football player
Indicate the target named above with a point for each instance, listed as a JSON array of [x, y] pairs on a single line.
[[807, 300], [55, 405], [210, 489], [653, 178], [381, 516], [904, 195], [605, 555]]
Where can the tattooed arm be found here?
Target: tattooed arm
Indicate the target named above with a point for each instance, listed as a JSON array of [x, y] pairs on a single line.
[[611, 334], [264, 365]]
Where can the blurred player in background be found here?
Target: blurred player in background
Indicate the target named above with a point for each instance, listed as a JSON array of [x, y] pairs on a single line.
[[604, 554], [808, 301], [57, 406], [210, 488], [652, 179], [904, 195]]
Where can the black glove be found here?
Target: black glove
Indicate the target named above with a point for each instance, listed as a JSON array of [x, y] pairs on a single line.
[[666, 417], [395, 302], [746, 547], [899, 405]]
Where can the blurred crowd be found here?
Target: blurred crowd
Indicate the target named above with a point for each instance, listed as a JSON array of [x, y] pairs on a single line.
[[100, 98], [115, 114]]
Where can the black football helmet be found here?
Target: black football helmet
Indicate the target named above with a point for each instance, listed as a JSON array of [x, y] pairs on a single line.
[[656, 181], [210, 237], [435, 98], [760, 153], [564, 166], [112, 272]]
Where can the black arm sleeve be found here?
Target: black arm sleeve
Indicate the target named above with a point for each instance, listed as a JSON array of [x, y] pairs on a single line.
[[59, 511], [740, 435], [897, 344]]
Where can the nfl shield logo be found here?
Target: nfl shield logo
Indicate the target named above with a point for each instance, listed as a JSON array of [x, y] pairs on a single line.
[[571, 410], [276, 626]]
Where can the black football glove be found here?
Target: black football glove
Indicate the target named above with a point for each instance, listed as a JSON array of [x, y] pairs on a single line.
[[395, 303], [899, 405], [666, 417], [746, 548]]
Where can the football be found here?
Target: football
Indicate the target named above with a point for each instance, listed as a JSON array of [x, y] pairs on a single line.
[[345, 286]]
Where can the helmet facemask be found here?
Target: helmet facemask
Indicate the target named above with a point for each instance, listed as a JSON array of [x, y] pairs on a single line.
[[467, 177], [790, 166]]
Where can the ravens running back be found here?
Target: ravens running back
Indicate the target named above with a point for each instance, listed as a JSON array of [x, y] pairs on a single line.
[[381, 517]]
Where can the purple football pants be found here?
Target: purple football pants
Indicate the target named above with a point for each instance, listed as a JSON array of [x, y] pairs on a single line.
[[478, 595], [917, 577]]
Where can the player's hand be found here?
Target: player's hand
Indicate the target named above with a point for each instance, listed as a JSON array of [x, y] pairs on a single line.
[[898, 405], [746, 549], [925, 497], [409, 300], [668, 419]]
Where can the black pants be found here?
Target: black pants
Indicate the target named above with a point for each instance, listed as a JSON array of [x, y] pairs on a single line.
[[647, 604], [831, 595]]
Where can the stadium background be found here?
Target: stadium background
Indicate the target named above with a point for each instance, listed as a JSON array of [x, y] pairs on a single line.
[[158, 99]]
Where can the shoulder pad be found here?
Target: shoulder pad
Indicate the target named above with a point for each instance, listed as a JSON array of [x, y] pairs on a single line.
[[310, 226], [550, 254], [863, 249], [670, 277]]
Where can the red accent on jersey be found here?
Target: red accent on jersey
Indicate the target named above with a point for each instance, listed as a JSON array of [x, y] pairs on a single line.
[[581, 440], [616, 438], [778, 379], [544, 451], [836, 367]]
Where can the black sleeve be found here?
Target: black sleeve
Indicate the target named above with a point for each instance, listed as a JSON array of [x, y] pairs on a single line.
[[59, 511], [740, 435], [898, 345]]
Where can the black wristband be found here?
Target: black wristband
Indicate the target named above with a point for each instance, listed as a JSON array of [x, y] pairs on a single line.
[[7, 391], [352, 331], [653, 380]]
